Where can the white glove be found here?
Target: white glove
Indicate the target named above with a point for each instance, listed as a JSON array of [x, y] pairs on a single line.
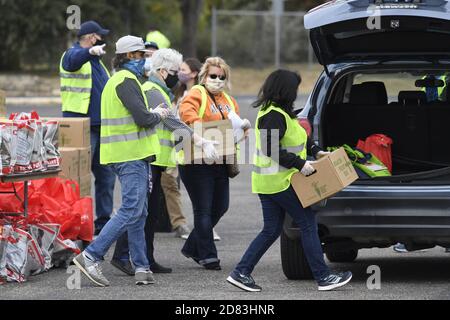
[[97, 50], [322, 154], [246, 124], [239, 126], [208, 148], [308, 169], [162, 111], [236, 121]]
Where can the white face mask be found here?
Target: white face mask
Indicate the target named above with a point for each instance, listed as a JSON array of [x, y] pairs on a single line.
[[148, 65], [215, 86]]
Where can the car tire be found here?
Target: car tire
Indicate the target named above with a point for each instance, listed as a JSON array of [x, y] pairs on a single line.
[[293, 260], [342, 256]]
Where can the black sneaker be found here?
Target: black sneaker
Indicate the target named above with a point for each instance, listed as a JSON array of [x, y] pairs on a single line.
[[157, 268], [334, 281], [124, 266], [243, 282]]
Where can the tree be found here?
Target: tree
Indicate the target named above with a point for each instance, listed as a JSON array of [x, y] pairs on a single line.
[[190, 10]]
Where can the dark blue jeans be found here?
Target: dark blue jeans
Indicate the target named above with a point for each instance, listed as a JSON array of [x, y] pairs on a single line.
[[208, 187], [274, 207], [104, 182]]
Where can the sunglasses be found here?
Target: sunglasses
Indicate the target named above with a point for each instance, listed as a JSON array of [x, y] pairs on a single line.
[[215, 76]]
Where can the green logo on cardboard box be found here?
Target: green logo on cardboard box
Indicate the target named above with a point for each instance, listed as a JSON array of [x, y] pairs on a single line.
[[320, 190]]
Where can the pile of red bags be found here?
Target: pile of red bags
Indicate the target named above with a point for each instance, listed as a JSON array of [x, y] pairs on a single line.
[[55, 201]]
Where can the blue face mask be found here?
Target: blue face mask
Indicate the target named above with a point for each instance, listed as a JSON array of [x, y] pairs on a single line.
[[136, 66]]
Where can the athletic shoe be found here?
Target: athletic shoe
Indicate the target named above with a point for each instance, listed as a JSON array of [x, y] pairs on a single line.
[[400, 248], [182, 232], [243, 282], [334, 281], [91, 269], [216, 236], [144, 278]]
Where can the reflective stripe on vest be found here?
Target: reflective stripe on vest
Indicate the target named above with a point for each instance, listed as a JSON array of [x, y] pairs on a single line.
[[76, 87], [167, 156], [122, 140], [268, 176]]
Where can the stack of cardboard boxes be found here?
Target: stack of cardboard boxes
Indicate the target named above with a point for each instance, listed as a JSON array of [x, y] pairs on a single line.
[[75, 148]]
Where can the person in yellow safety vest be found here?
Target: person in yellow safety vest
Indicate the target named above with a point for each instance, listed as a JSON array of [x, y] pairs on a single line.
[[159, 38], [281, 151], [437, 93], [83, 77], [208, 185], [129, 144], [162, 81]]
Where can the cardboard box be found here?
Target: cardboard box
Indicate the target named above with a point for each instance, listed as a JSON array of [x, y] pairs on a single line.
[[85, 183], [70, 163], [74, 132], [334, 173], [220, 131], [85, 161], [2, 103]]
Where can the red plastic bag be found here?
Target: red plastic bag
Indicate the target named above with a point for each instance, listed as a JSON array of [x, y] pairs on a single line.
[[84, 208], [380, 146], [54, 200]]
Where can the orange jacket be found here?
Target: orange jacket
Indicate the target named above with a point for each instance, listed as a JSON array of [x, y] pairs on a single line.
[[190, 106]]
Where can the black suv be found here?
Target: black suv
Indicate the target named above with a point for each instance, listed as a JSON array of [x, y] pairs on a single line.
[[386, 70]]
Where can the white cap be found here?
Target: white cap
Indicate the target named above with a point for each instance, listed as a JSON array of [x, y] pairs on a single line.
[[130, 44]]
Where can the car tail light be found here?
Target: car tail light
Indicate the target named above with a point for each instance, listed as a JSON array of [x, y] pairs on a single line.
[[305, 125]]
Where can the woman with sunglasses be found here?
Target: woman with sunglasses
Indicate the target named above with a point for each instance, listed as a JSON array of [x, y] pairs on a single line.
[[207, 185]]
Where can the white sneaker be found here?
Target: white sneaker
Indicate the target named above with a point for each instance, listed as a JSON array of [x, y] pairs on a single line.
[[144, 278], [216, 236], [182, 232]]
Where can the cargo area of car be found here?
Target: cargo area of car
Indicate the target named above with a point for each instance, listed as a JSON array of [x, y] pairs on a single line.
[[390, 104]]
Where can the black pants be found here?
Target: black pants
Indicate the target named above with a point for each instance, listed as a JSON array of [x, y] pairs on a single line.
[[122, 251], [209, 190]]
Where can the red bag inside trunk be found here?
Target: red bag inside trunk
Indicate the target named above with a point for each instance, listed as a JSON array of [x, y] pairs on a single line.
[[380, 146]]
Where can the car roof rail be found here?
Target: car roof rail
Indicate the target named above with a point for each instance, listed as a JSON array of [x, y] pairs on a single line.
[[366, 3]]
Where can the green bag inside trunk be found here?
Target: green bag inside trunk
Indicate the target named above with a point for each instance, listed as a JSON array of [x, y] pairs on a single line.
[[366, 162]]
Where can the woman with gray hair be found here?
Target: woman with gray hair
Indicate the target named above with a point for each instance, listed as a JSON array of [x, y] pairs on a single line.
[[159, 93]]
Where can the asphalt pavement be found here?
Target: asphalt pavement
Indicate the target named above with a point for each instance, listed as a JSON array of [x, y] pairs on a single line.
[[418, 275]]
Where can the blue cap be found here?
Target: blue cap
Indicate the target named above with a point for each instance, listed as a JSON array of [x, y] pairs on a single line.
[[151, 44], [89, 27]]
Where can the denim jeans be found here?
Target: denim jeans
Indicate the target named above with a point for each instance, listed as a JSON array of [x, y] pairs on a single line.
[[208, 187], [122, 249], [134, 180], [274, 207], [104, 182]]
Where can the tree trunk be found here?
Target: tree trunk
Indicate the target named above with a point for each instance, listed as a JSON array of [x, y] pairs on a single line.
[[190, 10]]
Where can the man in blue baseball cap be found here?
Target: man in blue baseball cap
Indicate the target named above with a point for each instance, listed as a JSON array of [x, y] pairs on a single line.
[[83, 77]]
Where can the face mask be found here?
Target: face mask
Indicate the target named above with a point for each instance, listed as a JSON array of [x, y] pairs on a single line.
[[171, 81], [136, 66], [99, 43], [148, 65], [215, 86], [184, 77]]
